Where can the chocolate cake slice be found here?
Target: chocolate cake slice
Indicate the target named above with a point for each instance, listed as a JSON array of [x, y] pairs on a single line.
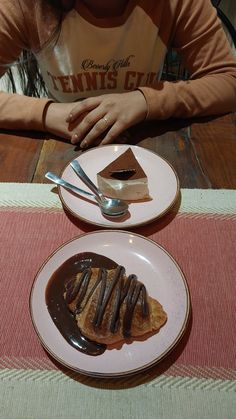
[[124, 178]]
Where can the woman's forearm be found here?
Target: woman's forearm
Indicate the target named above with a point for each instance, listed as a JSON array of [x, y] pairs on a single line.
[[21, 112]]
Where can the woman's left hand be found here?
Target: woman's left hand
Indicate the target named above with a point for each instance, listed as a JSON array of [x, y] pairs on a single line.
[[106, 117]]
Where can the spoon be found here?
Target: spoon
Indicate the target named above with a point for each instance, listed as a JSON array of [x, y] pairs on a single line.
[[111, 206], [105, 205]]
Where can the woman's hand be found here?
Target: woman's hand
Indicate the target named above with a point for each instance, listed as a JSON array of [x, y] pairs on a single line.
[[104, 118], [55, 119]]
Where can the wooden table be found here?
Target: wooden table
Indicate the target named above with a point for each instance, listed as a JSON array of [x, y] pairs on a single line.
[[202, 151], [197, 379]]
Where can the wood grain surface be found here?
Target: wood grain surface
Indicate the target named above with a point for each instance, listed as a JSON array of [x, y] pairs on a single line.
[[202, 151]]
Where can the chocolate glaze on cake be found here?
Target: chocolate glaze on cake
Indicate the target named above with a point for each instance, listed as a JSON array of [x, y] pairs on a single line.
[[124, 162]]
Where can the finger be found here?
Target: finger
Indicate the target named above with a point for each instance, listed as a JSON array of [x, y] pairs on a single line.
[[117, 130], [87, 124], [81, 107], [98, 129]]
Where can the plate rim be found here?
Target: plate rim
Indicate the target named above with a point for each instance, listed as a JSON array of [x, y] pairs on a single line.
[[128, 372], [137, 224]]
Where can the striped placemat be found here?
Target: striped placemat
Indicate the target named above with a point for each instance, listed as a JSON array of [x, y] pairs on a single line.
[[36, 195], [197, 380]]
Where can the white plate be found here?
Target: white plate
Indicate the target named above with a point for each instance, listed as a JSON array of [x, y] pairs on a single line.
[[162, 180], [163, 279]]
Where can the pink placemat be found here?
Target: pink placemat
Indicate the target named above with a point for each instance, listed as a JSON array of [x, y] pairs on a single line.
[[196, 380], [203, 246]]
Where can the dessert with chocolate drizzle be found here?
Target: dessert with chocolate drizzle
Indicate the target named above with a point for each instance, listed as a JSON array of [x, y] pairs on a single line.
[[94, 304], [110, 307], [124, 178]]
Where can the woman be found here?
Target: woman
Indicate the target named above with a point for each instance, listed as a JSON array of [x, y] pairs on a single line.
[[110, 54]]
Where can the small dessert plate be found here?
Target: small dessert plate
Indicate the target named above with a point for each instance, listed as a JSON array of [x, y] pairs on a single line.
[[162, 181], [163, 279]]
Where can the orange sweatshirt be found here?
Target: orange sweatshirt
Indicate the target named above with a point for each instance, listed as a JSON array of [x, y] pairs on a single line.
[[94, 56]]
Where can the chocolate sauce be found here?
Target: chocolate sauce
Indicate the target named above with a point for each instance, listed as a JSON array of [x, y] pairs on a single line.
[[122, 174], [61, 316], [116, 288], [64, 280]]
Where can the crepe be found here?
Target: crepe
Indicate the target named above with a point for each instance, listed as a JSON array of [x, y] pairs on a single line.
[[110, 307]]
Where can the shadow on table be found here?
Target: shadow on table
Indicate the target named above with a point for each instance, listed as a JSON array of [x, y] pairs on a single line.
[[152, 129], [145, 230], [133, 135]]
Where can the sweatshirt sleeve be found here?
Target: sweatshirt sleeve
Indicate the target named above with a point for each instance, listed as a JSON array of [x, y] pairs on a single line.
[[16, 111], [22, 112], [211, 89]]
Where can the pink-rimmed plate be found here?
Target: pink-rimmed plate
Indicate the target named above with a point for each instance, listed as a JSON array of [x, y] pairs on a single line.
[[162, 180], [163, 279]]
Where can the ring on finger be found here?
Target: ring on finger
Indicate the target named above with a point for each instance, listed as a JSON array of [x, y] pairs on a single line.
[[105, 120]]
